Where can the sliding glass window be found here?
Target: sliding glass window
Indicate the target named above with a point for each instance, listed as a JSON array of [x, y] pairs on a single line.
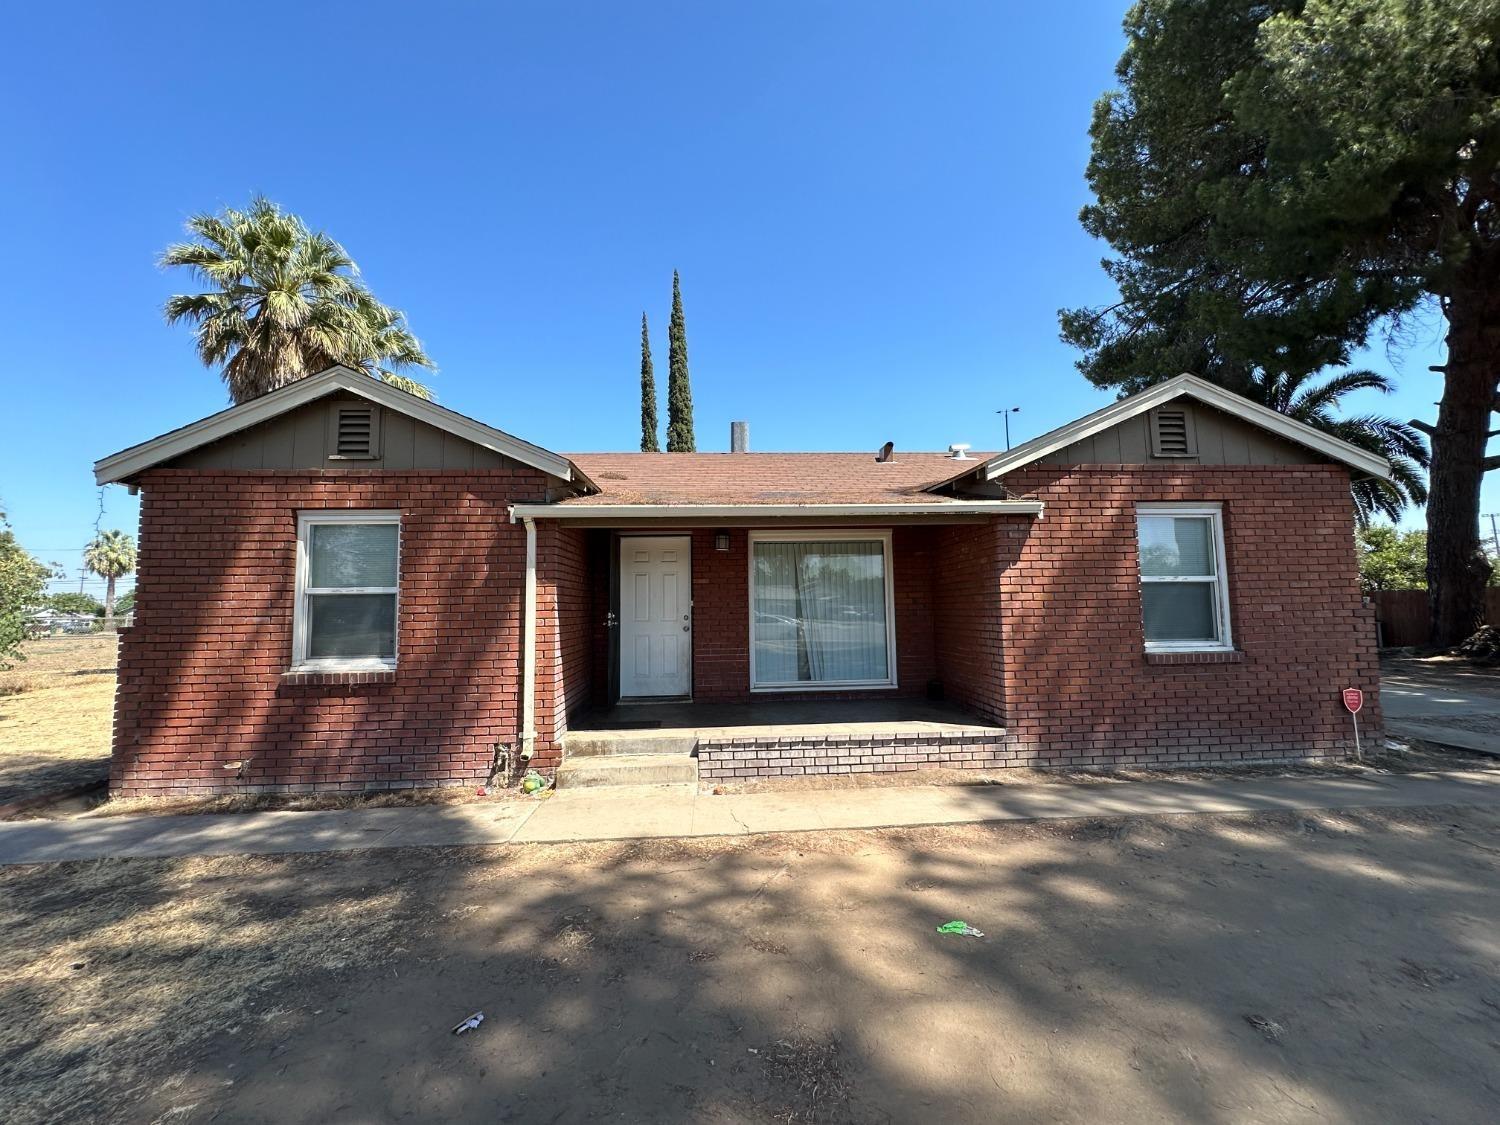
[[820, 611]]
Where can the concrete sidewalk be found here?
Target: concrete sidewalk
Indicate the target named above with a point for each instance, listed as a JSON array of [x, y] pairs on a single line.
[[1456, 710], [666, 811]]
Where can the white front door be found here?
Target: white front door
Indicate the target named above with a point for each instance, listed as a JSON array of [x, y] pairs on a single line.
[[656, 616]]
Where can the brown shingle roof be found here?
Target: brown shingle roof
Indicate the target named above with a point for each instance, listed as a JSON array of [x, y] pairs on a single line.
[[763, 478]]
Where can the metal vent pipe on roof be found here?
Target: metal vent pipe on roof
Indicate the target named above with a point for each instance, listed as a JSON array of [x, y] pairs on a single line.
[[739, 437]]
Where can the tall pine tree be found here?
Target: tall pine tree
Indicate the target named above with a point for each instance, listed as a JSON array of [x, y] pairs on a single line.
[[1282, 182], [649, 443], [679, 387]]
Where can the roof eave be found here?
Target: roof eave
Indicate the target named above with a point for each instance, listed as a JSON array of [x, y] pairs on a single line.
[[775, 511]]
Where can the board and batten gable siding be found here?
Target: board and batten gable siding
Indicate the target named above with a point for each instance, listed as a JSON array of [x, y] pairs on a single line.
[[305, 438], [1222, 439]]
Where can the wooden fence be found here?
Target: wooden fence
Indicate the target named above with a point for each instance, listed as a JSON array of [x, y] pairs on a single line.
[[1403, 615]]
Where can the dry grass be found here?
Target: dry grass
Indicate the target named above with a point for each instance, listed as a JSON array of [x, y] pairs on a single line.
[[56, 713], [123, 966], [807, 1068], [54, 661]]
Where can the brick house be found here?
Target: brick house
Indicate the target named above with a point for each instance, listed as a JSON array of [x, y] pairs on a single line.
[[342, 586]]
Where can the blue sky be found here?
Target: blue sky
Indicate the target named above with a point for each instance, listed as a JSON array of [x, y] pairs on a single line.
[[873, 206]]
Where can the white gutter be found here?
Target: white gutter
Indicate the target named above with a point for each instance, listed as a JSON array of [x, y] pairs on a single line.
[[528, 647], [528, 512]]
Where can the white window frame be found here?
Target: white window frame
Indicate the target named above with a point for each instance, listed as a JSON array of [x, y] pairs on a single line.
[[883, 536], [1215, 515], [306, 521]]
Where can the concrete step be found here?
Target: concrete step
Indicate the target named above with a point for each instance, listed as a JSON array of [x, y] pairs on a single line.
[[627, 769], [595, 743]]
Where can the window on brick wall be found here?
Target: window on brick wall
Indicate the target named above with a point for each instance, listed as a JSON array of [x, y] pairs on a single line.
[[821, 613], [348, 566], [1184, 590]]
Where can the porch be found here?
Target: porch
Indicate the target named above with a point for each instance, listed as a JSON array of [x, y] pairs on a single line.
[[835, 645], [691, 742]]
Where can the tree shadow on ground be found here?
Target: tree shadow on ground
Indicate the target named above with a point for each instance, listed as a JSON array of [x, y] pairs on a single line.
[[34, 775], [1222, 968]]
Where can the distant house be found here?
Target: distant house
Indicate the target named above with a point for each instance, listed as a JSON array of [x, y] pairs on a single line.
[[342, 586]]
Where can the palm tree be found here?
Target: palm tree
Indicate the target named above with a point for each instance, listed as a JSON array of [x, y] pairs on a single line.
[[283, 302], [111, 555], [1316, 404]]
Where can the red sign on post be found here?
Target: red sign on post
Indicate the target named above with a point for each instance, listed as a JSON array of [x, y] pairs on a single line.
[[1354, 699]]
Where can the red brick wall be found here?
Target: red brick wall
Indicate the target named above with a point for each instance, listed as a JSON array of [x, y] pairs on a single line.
[[1035, 621], [201, 674], [564, 633], [721, 618], [967, 611], [912, 557], [793, 755], [1079, 688]]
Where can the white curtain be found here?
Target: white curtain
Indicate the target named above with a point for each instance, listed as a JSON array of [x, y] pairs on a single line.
[[819, 612]]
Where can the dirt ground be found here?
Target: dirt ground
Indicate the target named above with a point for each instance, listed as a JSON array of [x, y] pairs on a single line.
[[56, 713], [1447, 669], [1336, 967]]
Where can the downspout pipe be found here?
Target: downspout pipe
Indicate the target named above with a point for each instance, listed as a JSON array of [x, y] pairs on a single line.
[[528, 646]]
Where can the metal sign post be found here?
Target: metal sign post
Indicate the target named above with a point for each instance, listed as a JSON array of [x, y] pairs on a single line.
[[1354, 699]]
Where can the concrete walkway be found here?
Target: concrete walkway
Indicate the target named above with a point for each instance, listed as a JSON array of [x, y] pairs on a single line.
[[665, 811], [1451, 710]]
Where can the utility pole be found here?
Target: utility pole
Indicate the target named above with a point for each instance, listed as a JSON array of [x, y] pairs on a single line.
[[1494, 532], [1006, 413]]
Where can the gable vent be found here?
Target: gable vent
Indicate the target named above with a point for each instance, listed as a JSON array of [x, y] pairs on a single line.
[[355, 432], [1172, 433]]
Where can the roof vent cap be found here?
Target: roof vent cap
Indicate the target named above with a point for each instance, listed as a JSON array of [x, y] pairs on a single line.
[[887, 453], [959, 451]]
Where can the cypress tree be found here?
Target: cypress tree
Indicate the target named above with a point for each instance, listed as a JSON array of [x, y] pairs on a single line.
[[649, 443], [679, 388]]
